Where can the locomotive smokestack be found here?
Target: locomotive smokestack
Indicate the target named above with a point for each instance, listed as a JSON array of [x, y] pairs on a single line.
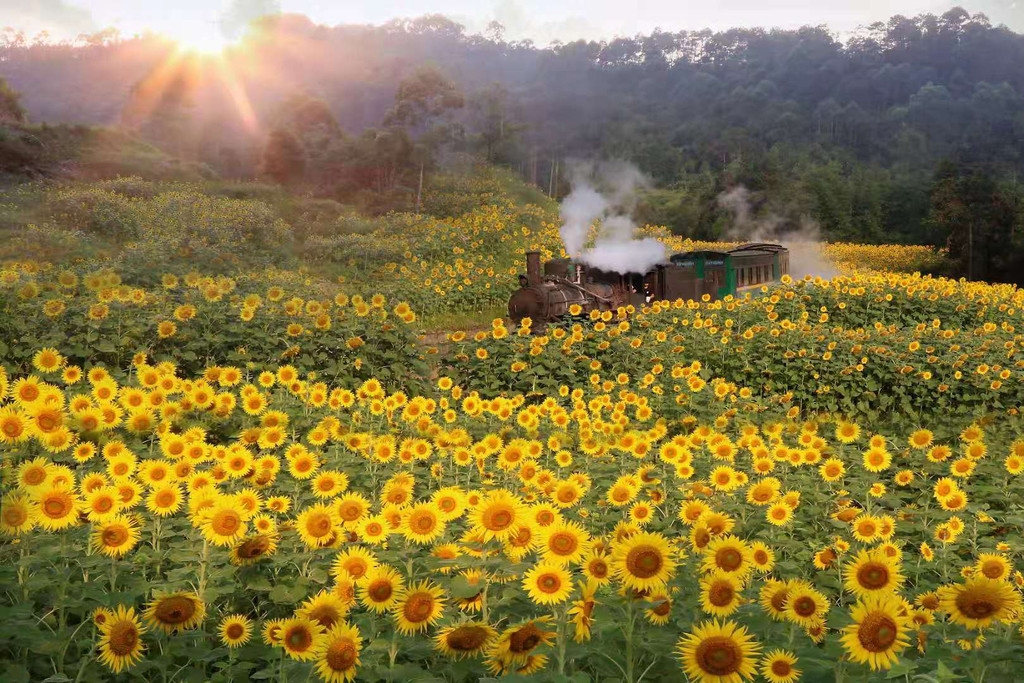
[[533, 267]]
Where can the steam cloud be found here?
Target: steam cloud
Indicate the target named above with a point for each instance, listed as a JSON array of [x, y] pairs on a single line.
[[804, 241], [605, 192]]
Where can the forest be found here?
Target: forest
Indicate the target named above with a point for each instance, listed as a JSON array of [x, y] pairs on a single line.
[[910, 130]]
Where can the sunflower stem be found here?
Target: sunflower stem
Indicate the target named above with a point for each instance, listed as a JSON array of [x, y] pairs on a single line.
[[562, 624], [630, 622], [113, 573]]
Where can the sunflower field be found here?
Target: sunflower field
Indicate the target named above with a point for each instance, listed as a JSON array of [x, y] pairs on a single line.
[[272, 474]]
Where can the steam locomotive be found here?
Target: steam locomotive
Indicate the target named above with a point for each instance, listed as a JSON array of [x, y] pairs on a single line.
[[546, 297]]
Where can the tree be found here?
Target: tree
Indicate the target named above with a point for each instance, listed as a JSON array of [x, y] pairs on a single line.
[[423, 104], [10, 104], [283, 158], [978, 219]]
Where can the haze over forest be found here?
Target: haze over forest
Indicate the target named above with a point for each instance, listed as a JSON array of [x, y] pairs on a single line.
[[862, 133]]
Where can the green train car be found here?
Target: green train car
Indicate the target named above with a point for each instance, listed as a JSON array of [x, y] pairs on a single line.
[[692, 274]]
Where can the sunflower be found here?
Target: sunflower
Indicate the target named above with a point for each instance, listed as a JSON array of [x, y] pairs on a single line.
[[643, 561], [173, 612], [253, 549], [716, 652], [354, 563], [450, 503], [165, 500], [115, 537], [548, 583], [728, 554], [979, 601], [762, 556], [993, 566], [380, 588], [58, 508], [33, 475], [374, 530], [120, 643], [317, 525], [773, 598], [720, 593], [878, 632], [516, 644], [339, 655], [805, 606], [325, 608], [872, 571], [497, 515], [418, 607], [422, 524], [595, 567], [564, 542], [235, 630], [464, 640], [222, 522], [18, 514], [14, 426], [582, 611], [779, 666], [303, 639]]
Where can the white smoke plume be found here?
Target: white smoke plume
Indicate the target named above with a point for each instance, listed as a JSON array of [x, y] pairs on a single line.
[[606, 193], [804, 242]]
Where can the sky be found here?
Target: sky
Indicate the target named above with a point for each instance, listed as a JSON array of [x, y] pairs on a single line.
[[543, 21]]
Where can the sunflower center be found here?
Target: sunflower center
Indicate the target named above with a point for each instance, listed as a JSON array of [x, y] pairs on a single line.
[[779, 600], [873, 576], [644, 561], [325, 614], [299, 639], [729, 559], [350, 512], [719, 656], [976, 606], [319, 524], [525, 639], [15, 516], [877, 632], [563, 544], [380, 591], [234, 631], [418, 607], [177, 609], [663, 608], [341, 655], [226, 522], [992, 570], [805, 606], [424, 522], [254, 547], [498, 519], [549, 583], [123, 638], [599, 569], [720, 594], [467, 638], [115, 536], [780, 667], [55, 507]]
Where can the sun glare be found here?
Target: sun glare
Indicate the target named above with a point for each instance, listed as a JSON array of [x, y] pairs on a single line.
[[205, 42]]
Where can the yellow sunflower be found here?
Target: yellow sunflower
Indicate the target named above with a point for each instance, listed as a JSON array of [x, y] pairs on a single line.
[[303, 639], [115, 537], [548, 583], [464, 640], [779, 666], [979, 601], [879, 631], [339, 655], [120, 642], [418, 607], [317, 525], [872, 571], [805, 606], [18, 514], [173, 612], [716, 652], [564, 542], [235, 630], [380, 588], [58, 508], [720, 593], [728, 554], [643, 561]]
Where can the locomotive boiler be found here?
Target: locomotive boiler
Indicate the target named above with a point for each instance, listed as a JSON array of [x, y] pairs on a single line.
[[548, 296]]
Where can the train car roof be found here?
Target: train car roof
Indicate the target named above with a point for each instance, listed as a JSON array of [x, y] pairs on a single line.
[[758, 246], [696, 254]]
